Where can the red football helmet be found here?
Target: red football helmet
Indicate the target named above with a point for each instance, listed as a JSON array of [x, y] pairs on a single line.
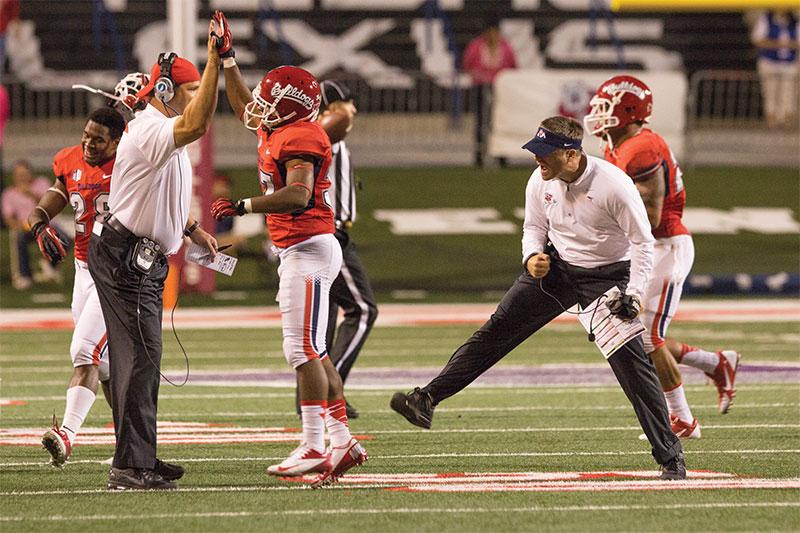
[[618, 102], [284, 95]]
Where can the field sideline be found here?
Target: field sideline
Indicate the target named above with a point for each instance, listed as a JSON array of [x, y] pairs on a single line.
[[545, 440]]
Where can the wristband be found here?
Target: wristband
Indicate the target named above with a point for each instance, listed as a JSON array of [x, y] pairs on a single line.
[[228, 62], [248, 205], [188, 231]]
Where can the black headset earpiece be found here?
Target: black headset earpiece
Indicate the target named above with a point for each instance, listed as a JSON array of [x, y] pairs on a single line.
[[164, 87]]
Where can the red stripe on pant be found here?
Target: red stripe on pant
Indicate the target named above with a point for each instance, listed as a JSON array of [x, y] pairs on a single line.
[[308, 348], [654, 338], [98, 349]]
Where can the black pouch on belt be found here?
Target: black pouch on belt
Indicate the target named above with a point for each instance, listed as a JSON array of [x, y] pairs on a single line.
[[144, 255]]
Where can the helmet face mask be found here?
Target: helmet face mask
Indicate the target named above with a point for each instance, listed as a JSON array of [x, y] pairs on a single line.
[[620, 101], [125, 91], [284, 96]]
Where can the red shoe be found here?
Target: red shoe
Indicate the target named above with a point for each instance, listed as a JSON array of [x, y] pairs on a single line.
[[724, 378], [56, 442], [343, 458], [303, 460], [684, 429]]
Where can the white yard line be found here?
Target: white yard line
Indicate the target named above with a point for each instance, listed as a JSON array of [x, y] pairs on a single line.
[[389, 510], [374, 458]]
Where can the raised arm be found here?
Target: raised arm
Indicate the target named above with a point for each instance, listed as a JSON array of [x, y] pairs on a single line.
[[196, 118]]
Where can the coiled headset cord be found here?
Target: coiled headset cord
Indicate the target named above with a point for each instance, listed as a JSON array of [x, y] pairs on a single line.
[[174, 332], [600, 300]]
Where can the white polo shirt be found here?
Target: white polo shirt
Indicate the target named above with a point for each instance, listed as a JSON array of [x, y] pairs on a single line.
[[596, 220], [151, 185]]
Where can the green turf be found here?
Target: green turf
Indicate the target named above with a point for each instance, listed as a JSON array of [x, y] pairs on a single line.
[[463, 267], [522, 420]]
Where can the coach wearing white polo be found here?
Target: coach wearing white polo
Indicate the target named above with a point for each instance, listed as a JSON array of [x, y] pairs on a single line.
[[151, 191]]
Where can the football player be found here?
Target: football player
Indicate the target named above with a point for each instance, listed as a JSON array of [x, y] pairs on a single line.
[[619, 111], [294, 154], [83, 175]]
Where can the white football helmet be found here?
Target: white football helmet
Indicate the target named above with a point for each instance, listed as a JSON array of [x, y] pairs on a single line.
[[127, 88]]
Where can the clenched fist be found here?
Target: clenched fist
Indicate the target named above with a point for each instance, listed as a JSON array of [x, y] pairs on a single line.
[[538, 265]]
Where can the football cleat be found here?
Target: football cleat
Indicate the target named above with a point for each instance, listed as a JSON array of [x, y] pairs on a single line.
[[416, 406], [303, 460], [56, 442], [343, 458], [674, 469], [684, 429], [724, 378]]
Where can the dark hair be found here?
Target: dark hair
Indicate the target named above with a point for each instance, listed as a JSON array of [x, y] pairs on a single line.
[[111, 119], [22, 163]]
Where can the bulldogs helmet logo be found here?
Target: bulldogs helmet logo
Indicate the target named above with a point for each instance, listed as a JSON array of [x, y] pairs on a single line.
[[618, 102], [285, 95]]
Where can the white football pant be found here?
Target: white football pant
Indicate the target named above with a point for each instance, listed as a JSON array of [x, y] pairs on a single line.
[[89, 340]]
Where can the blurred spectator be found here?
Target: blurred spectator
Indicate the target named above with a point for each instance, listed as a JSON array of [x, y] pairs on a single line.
[[776, 34], [18, 200], [485, 56]]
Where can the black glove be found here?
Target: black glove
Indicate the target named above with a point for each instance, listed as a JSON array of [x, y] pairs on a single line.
[[625, 306], [50, 244]]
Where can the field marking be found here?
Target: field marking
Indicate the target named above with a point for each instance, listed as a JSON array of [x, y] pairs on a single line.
[[201, 433], [406, 510], [381, 391], [448, 410], [451, 455], [543, 486]]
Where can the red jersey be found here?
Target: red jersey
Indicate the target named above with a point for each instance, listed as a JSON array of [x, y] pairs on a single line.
[[87, 190], [640, 156], [274, 150]]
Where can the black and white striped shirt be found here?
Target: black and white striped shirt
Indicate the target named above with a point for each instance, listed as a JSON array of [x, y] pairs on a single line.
[[343, 186]]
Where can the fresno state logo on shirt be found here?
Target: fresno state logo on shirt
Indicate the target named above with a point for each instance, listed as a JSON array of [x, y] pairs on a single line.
[[76, 174], [549, 200]]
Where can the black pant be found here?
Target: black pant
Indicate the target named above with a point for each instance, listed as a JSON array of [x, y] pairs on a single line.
[[525, 309], [134, 366], [352, 291]]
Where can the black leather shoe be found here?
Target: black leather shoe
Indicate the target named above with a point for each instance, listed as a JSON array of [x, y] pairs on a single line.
[[675, 468], [416, 406], [138, 479], [351, 411], [168, 471]]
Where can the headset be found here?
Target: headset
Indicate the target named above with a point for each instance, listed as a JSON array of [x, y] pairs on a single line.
[[164, 87]]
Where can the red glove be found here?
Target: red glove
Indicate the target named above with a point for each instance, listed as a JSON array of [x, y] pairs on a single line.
[[225, 207], [50, 244], [222, 34]]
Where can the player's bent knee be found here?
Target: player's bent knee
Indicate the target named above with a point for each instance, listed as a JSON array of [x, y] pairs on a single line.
[[85, 352]]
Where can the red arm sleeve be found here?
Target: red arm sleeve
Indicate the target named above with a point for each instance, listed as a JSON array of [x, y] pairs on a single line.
[[643, 163], [305, 138]]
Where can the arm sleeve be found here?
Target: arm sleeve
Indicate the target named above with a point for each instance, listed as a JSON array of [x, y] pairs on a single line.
[[301, 142], [534, 228], [156, 140], [630, 213], [643, 164]]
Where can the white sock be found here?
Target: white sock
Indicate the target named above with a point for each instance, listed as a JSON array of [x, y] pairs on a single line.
[[313, 415], [79, 403], [678, 406], [697, 358], [336, 422]]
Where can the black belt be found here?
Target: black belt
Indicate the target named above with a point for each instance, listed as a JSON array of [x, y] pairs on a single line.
[[112, 222]]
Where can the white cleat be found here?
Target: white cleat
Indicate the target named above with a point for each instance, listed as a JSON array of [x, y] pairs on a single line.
[[343, 458], [684, 429], [724, 378], [303, 460]]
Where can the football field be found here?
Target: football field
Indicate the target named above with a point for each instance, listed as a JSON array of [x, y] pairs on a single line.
[[544, 441]]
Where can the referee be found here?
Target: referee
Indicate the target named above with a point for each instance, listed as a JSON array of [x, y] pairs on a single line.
[[594, 219], [351, 290], [151, 190]]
